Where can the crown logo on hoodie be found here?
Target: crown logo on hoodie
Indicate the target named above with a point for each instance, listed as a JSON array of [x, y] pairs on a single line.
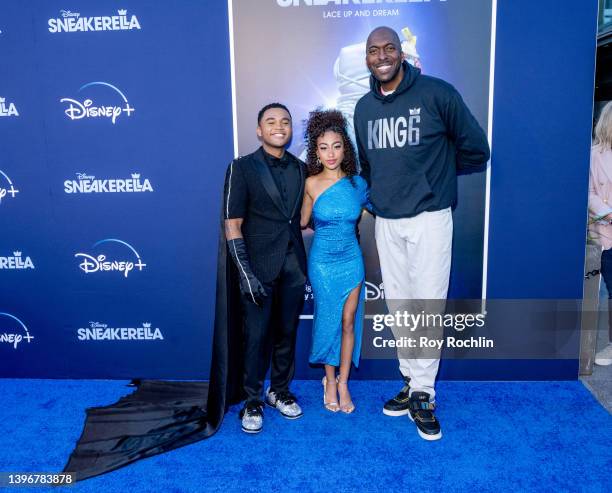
[[415, 111]]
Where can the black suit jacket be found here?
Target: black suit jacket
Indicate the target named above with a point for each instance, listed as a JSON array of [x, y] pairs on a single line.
[[251, 194]]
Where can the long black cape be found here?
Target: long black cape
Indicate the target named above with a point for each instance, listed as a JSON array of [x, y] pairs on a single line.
[[163, 415]]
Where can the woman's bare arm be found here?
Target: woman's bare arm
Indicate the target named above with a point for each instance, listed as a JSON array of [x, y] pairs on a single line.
[[306, 206]]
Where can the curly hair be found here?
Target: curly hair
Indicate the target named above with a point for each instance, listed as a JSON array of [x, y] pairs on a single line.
[[320, 121]]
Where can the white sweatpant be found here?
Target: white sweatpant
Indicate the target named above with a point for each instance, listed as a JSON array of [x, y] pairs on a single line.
[[415, 261]]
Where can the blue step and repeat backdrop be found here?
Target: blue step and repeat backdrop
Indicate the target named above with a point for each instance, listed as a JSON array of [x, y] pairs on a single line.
[[118, 119]]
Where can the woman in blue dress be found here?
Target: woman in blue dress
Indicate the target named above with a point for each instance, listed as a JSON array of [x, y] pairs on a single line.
[[334, 197]]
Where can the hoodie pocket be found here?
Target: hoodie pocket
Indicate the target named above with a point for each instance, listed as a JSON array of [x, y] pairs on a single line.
[[418, 189]]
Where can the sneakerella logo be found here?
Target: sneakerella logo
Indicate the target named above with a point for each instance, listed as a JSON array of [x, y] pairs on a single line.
[[71, 22], [102, 332], [86, 108], [99, 263], [89, 184], [7, 108], [16, 262], [13, 331], [6, 187]]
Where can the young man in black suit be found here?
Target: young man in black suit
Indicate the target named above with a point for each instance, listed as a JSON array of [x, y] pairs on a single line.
[[263, 198]]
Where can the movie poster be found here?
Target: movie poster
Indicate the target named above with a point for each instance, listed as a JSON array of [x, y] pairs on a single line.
[[311, 53]]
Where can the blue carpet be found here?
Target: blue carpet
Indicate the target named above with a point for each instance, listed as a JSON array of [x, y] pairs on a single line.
[[535, 436]]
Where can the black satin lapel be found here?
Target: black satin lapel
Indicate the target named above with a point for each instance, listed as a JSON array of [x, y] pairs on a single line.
[[268, 181], [300, 196]]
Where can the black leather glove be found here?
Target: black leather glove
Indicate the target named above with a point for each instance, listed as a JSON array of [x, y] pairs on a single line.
[[250, 287]]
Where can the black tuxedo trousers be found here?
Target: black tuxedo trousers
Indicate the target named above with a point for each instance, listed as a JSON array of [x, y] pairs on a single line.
[[270, 330]]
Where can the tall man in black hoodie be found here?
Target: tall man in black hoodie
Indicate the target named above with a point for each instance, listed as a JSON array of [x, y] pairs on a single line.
[[413, 133]]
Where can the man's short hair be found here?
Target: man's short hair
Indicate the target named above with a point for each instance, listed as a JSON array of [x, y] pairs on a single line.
[[389, 30], [270, 106]]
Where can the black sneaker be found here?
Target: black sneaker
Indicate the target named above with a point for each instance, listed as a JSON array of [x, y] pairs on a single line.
[[398, 406], [252, 417], [421, 412]]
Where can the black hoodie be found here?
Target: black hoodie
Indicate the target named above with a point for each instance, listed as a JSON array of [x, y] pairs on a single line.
[[412, 142]]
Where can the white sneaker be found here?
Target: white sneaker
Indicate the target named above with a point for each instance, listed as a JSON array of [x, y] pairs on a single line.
[[251, 417], [604, 357], [285, 402]]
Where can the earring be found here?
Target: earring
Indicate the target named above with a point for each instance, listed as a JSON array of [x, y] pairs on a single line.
[[319, 161]]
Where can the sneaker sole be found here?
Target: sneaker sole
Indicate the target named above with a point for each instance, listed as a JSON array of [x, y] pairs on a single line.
[[429, 438], [251, 432], [395, 413], [425, 436], [286, 416], [603, 362]]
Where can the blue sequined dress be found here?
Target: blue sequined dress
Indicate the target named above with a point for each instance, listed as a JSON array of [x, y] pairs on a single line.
[[335, 267]]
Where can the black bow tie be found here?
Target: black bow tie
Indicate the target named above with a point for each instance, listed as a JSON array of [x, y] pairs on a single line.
[[278, 162]]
